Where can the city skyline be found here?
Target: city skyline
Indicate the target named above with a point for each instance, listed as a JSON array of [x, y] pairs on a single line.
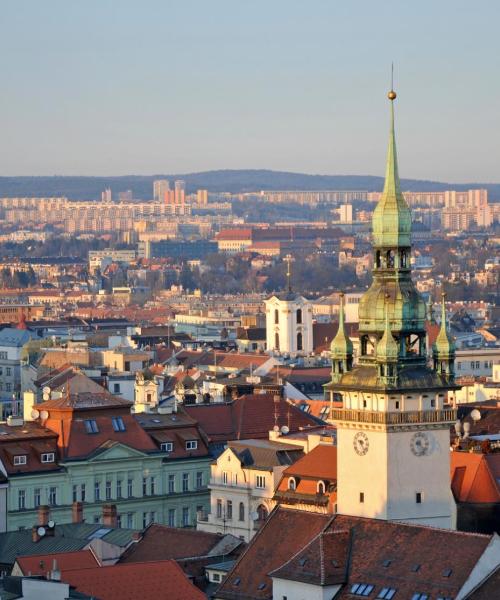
[[207, 87]]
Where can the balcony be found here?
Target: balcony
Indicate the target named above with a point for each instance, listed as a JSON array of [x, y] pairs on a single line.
[[413, 417]]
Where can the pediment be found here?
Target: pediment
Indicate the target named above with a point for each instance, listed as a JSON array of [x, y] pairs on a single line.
[[115, 451]]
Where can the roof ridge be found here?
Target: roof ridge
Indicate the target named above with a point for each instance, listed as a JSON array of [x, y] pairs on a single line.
[[322, 559]]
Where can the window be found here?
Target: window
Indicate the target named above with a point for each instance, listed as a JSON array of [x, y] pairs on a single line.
[[361, 589], [38, 497], [96, 519], [130, 520], [130, 488], [152, 485], [3, 355], [216, 577], [118, 424], [48, 457], [144, 486], [167, 446], [299, 342], [185, 516], [108, 490], [277, 341], [91, 426], [171, 517], [229, 509], [20, 460], [75, 493], [225, 477], [144, 520], [152, 517], [185, 482], [97, 491], [118, 488], [361, 497], [21, 499], [8, 387], [116, 388], [321, 487], [241, 515], [419, 596], [386, 593], [82, 492], [192, 445], [299, 316], [276, 317], [52, 496], [433, 403], [418, 497], [8, 371], [477, 364], [292, 484], [119, 520], [199, 479], [219, 508], [171, 484], [260, 482], [397, 404]]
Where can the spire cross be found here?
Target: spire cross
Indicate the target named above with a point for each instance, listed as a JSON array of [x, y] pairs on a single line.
[[288, 259]]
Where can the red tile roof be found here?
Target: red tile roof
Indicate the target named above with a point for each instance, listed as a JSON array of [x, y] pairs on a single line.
[[39, 564], [249, 416], [159, 542], [319, 463], [159, 580], [475, 477]]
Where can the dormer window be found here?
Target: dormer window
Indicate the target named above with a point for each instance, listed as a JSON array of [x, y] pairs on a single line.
[[191, 444], [20, 459], [292, 484], [118, 424], [321, 487], [167, 446], [91, 426], [48, 457]]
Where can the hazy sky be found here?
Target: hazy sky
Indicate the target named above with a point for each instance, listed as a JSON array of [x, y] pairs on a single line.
[[111, 87]]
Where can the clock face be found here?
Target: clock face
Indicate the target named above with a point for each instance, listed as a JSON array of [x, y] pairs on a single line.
[[420, 444], [361, 443]]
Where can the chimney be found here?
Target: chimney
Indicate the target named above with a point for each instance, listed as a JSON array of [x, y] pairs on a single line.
[[109, 515], [77, 512], [43, 515], [55, 574]]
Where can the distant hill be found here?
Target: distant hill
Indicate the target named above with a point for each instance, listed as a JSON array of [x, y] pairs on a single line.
[[244, 180]]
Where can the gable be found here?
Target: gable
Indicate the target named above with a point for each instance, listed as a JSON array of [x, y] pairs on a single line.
[[115, 451]]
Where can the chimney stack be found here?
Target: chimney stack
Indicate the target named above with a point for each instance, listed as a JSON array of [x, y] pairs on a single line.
[[110, 515], [55, 574], [43, 515], [77, 512]]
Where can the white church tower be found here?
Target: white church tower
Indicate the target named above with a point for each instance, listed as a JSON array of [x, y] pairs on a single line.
[[393, 431], [289, 328]]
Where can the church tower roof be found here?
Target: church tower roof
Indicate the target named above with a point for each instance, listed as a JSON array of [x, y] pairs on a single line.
[[387, 348], [392, 217], [444, 345], [341, 345]]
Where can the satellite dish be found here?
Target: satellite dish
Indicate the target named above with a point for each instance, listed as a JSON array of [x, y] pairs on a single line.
[[254, 515], [276, 428], [44, 415], [51, 524], [35, 413], [46, 390], [46, 397], [475, 415], [285, 430], [41, 531]]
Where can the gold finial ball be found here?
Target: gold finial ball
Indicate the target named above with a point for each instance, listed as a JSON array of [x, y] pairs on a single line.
[[392, 95]]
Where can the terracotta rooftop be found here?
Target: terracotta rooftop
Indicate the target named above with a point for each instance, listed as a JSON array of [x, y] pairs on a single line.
[[159, 580], [319, 463], [39, 564], [475, 477]]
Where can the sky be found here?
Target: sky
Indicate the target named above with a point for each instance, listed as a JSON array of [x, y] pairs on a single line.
[[120, 87]]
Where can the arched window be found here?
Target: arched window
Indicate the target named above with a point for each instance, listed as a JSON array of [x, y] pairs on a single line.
[[276, 341], [390, 259], [292, 484], [321, 487], [377, 259], [262, 512], [299, 341], [299, 316], [276, 316], [404, 259], [241, 515]]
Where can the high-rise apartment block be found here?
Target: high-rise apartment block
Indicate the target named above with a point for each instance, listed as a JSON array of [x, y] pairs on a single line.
[[160, 189], [346, 213], [107, 196], [202, 197]]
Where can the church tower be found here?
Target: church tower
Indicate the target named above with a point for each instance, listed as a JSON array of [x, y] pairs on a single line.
[[393, 458]]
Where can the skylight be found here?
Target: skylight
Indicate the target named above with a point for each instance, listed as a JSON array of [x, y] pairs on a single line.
[[361, 589], [99, 533], [419, 596], [386, 593], [118, 424], [91, 426]]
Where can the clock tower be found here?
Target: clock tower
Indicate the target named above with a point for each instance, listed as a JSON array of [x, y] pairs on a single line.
[[393, 458]]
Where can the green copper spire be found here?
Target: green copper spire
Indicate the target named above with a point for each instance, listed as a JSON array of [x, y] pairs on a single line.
[[392, 217], [444, 346], [341, 346], [387, 348]]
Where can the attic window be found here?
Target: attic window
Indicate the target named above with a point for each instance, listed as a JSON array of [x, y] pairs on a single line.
[[118, 424], [191, 444], [419, 596], [386, 593], [48, 457], [302, 562], [261, 586], [321, 487], [167, 446], [447, 572], [386, 563], [292, 484], [361, 589], [237, 581], [20, 460], [91, 426], [415, 568]]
